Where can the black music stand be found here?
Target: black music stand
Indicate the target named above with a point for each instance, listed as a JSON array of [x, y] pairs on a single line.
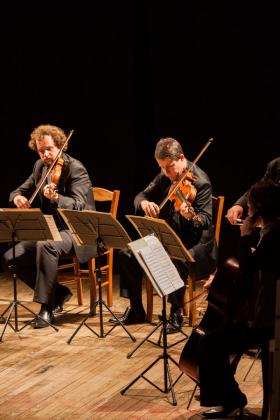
[[165, 278], [174, 248], [92, 227], [18, 225]]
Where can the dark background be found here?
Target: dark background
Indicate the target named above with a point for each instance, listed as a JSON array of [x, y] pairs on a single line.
[[122, 74]]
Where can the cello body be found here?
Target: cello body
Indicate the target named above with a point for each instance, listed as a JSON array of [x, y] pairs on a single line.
[[223, 301]]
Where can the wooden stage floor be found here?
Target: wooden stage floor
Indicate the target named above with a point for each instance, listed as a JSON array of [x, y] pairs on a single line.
[[43, 377]]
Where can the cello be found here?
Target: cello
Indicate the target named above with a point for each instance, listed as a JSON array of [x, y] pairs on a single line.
[[224, 301], [222, 304]]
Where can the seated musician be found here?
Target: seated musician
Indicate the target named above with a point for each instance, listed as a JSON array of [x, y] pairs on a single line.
[[253, 323], [191, 221], [240, 207], [37, 262]]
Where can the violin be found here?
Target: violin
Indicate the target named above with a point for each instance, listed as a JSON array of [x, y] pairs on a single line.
[[186, 193], [56, 172]]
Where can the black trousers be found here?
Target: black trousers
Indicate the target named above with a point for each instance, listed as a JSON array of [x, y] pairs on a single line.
[[216, 374], [131, 274], [36, 264]]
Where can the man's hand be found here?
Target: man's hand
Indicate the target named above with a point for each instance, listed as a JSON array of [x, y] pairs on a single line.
[[21, 202], [50, 192], [187, 211], [150, 208], [234, 213]]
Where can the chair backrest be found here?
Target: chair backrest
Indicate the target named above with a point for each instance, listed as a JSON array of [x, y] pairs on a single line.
[[102, 194], [218, 206]]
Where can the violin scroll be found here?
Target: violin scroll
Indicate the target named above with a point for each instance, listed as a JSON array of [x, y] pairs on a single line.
[[190, 176]]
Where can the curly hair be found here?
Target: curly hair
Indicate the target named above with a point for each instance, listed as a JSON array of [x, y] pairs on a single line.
[[168, 148], [57, 134]]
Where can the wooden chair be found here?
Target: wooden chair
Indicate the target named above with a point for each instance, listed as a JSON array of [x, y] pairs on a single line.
[[74, 273], [190, 295], [189, 299]]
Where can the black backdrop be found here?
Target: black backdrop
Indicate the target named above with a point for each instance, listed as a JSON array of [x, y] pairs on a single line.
[[122, 74]]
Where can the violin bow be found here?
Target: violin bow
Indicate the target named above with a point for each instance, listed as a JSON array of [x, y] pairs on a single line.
[[183, 176], [50, 168]]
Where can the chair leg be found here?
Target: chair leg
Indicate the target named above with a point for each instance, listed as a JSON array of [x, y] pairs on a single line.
[[79, 282], [92, 285], [266, 378], [252, 363], [149, 292], [191, 397], [189, 301], [80, 292], [110, 279]]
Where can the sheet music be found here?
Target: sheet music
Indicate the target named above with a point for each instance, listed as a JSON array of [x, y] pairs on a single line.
[[157, 264], [53, 228]]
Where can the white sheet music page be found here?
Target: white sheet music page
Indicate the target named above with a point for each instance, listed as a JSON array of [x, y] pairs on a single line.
[[161, 267]]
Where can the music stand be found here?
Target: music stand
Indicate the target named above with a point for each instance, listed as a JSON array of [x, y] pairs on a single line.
[[91, 227], [165, 278], [174, 248], [18, 225]]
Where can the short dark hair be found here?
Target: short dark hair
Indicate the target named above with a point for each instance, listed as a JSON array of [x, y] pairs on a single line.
[[265, 198], [168, 148]]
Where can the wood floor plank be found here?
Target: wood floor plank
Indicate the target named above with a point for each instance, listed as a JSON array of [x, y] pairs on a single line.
[[43, 377]]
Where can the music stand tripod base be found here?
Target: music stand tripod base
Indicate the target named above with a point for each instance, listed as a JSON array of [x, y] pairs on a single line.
[[100, 303], [102, 229], [168, 383], [15, 226], [13, 307]]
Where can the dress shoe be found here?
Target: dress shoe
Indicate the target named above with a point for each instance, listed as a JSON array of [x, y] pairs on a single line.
[[235, 407], [131, 316], [176, 321], [45, 314], [63, 296], [124, 315]]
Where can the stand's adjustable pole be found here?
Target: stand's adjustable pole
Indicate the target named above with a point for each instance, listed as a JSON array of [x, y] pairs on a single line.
[[13, 306], [168, 383], [100, 302], [158, 343]]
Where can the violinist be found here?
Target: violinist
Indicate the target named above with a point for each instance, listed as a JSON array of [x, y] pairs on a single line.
[[191, 219], [240, 207], [253, 323], [67, 186]]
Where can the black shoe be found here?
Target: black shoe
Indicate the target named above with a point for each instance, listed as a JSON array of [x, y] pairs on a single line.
[[131, 316], [174, 323], [45, 314], [61, 298], [120, 318], [233, 408]]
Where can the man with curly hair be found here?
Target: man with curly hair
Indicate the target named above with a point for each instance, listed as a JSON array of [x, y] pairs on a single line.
[[37, 262]]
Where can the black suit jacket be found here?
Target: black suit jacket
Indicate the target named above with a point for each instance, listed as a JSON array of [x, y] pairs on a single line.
[[75, 193], [198, 238]]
